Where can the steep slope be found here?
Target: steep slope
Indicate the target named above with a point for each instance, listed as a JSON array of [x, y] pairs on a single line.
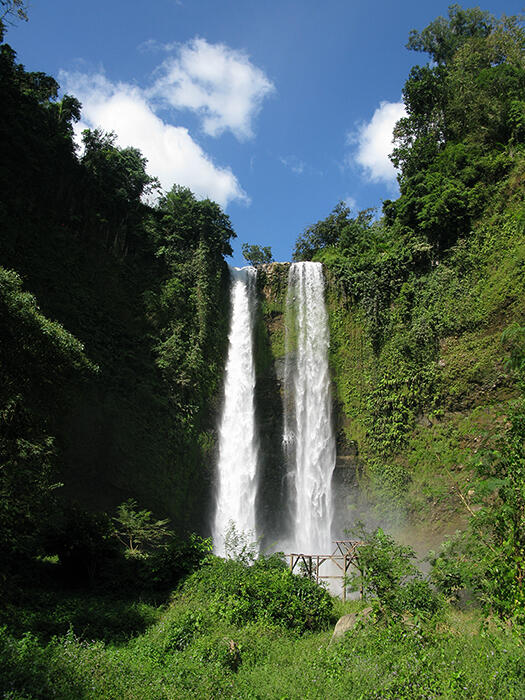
[[420, 297]]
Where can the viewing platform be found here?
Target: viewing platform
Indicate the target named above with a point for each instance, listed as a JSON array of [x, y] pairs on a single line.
[[342, 558]]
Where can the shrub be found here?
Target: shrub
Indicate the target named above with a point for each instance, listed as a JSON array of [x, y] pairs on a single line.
[[389, 577], [166, 566], [263, 592], [175, 633]]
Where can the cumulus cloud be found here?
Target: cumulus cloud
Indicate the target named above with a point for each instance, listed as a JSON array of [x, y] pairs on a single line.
[[216, 82], [173, 156], [373, 142]]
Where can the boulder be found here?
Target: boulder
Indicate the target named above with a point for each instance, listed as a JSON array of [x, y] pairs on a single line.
[[348, 622]]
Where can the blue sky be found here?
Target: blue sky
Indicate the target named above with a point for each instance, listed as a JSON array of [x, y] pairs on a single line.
[[277, 109]]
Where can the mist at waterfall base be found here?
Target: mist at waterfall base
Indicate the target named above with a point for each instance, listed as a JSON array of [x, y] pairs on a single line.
[[308, 441]]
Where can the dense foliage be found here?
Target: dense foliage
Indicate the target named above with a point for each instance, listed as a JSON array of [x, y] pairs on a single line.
[[264, 591], [256, 254], [186, 653], [41, 363], [426, 301], [419, 297], [388, 575], [114, 317]]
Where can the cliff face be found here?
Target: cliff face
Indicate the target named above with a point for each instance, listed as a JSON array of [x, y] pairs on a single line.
[[272, 282], [416, 410], [412, 414]]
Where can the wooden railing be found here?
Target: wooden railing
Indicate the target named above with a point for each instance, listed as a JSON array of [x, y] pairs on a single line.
[[343, 557]]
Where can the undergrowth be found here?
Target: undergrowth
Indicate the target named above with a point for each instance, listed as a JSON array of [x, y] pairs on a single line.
[[193, 653]]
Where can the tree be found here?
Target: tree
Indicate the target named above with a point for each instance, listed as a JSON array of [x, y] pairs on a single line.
[[322, 234], [40, 363], [464, 117], [192, 236], [388, 575], [12, 9], [183, 221], [137, 530], [115, 187], [442, 38], [256, 254]]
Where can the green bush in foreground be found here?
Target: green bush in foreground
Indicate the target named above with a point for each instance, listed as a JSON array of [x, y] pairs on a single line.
[[461, 660], [263, 592]]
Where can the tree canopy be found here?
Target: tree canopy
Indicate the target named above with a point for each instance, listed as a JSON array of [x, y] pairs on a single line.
[[109, 301], [256, 254]]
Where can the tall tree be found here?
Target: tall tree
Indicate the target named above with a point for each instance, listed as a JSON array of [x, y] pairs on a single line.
[[465, 114], [256, 254]]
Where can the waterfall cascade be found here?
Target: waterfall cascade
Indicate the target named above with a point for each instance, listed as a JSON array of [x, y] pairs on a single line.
[[237, 465], [308, 434]]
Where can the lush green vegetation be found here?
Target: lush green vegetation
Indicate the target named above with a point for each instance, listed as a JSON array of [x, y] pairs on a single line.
[[426, 304], [256, 254], [217, 638], [113, 315], [114, 323], [419, 297]]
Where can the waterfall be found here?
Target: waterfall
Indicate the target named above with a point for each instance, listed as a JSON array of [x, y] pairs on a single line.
[[237, 464], [308, 434]]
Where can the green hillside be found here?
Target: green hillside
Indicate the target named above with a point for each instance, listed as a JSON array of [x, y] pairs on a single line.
[[420, 296]]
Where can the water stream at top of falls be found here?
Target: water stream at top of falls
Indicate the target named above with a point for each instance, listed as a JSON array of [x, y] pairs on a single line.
[[308, 433], [237, 464]]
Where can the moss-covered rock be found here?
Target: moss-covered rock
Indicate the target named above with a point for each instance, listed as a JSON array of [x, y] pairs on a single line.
[[272, 283]]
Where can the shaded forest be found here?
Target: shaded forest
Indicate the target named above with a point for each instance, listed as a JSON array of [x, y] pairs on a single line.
[[108, 306]]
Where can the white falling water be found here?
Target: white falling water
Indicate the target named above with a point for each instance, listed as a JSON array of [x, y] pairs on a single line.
[[237, 466], [308, 433]]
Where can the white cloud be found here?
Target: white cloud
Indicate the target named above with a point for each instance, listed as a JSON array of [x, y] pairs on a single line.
[[173, 156], [154, 46], [296, 165], [375, 142], [150, 45], [218, 83]]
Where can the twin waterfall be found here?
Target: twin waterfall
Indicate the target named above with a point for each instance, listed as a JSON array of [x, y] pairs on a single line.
[[308, 438]]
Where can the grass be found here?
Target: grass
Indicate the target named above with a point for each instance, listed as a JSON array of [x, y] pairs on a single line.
[[105, 618], [187, 652]]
